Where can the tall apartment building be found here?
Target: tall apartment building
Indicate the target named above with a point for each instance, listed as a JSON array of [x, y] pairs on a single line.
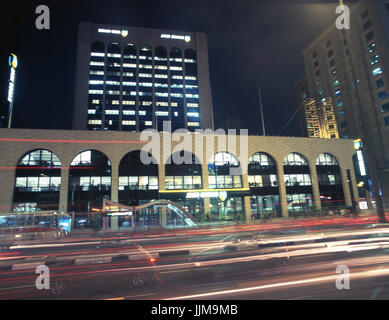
[[132, 79], [328, 65]]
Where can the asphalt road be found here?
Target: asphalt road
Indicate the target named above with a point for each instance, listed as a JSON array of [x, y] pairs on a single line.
[[286, 264]]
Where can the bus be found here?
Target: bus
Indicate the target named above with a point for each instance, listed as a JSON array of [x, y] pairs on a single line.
[[37, 225]]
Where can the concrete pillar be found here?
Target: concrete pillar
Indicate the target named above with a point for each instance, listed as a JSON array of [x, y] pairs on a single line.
[[247, 200], [161, 176], [247, 209], [354, 183], [7, 186], [205, 176], [64, 190], [163, 217], [346, 187], [207, 207], [114, 224], [315, 187], [282, 189], [115, 182]]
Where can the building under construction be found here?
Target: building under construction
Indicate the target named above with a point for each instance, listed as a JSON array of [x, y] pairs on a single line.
[[319, 118]]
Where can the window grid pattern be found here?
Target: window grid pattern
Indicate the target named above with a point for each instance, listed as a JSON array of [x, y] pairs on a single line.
[[133, 89]]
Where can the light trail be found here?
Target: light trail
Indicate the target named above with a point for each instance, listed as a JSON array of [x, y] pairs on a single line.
[[364, 274]]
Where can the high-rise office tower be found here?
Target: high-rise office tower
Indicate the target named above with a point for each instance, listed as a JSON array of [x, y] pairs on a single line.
[[132, 79], [11, 12], [329, 63]]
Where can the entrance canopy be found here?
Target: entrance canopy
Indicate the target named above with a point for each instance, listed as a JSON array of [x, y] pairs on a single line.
[[162, 213]]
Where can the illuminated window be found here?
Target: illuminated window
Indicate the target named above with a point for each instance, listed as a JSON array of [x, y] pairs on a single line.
[[162, 113], [374, 60], [112, 112], [96, 73], [372, 47], [193, 114], [377, 71], [297, 180], [96, 91], [129, 65], [129, 123], [94, 63], [94, 122], [161, 76], [113, 83], [192, 105], [114, 55]]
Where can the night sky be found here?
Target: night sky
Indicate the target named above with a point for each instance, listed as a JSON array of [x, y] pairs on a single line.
[[250, 43]]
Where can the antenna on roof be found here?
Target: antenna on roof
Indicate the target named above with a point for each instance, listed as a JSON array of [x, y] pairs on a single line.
[[261, 108]]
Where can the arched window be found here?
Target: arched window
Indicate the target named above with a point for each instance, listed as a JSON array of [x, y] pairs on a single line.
[[263, 181], [224, 173], [89, 181], [183, 171], [176, 53], [326, 159], [330, 181], [37, 182], [262, 171], [130, 51], [219, 168], [295, 159], [138, 182], [183, 176], [298, 183]]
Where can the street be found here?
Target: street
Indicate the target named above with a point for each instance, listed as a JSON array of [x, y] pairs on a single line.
[[230, 263]]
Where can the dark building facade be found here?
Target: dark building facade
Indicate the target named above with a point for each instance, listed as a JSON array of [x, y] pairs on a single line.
[[352, 69], [11, 13], [133, 79]]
